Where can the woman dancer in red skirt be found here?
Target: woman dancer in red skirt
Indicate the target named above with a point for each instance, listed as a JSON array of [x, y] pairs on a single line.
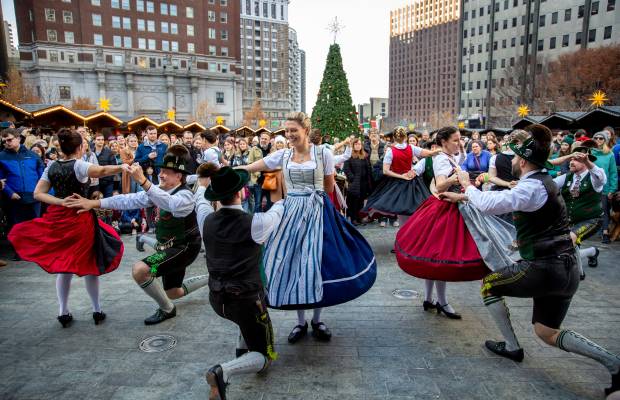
[[65, 241], [434, 243]]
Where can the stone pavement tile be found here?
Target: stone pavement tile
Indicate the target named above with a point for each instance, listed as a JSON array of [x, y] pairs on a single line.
[[508, 390], [553, 390], [145, 393], [40, 389], [423, 386], [139, 377], [456, 390], [89, 392]]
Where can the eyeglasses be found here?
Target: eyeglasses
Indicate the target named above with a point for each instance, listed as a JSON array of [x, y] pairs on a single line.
[[9, 139], [599, 138]]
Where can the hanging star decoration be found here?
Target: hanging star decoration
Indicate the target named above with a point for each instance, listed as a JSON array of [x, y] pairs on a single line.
[[172, 114], [104, 104], [598, 99], [262, 123], [335, 28], [219, 120], [523, 110]]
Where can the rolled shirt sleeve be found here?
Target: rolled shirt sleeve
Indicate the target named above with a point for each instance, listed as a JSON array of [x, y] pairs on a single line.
[[529, 195], [263, 224]]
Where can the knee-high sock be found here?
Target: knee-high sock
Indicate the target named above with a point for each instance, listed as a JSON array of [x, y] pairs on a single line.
[[575, 343], [157, 293], [589, 252], [501, 315], [92, 287], [247, 363], [316, 315], [241, 344], [441, 292], [194, 283], [402, 219], [428, 290], [150, 240], [579, 260], [301, 317], [63, 285]]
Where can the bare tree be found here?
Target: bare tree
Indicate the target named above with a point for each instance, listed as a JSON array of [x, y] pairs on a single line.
[[82, 103], [254, 115], [203, 112], [17, 91]]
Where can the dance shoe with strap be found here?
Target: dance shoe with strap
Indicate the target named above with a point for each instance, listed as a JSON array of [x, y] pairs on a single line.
[[297, 333], [499, 348]]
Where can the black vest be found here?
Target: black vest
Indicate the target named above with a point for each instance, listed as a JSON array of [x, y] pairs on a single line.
[[63, 180], [544, 232], [177, 231], [233, 257], [503, 165]]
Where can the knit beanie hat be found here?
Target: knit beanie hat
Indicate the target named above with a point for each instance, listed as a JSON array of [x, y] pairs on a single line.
[[603, 134], [569, 139]]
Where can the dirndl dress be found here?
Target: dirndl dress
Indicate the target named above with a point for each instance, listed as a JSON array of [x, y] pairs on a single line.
[[63, 241], [315, 258]]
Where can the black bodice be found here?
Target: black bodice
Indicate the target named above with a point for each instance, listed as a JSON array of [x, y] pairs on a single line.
[[63, 180]]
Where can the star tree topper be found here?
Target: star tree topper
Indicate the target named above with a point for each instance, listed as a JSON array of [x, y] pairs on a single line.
[[335, 28], [172, 114], [599, 98], [523, 110], [104, 104]]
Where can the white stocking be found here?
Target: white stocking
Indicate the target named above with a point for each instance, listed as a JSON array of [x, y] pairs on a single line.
[[63, 285], [92, 287]]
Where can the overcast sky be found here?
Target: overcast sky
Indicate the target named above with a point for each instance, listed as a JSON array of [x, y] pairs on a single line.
[[364, 41]]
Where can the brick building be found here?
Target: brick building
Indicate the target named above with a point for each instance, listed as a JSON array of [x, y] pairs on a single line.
[[424, 56], [145, 56]]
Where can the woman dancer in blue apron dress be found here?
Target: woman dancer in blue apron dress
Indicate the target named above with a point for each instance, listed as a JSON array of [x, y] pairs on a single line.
[[315, 258]]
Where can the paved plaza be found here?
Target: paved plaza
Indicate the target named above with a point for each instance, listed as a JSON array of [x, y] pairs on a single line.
[[383, 347]]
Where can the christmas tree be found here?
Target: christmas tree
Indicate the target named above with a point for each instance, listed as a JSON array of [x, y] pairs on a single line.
[[334, 113]]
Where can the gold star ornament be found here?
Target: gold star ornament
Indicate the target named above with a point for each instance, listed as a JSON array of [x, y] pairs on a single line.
[[219, 120], [262, 123], [104, 104], [598, 99], [523, 110], [172, 114]]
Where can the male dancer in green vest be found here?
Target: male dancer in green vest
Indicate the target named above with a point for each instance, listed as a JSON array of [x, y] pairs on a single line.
[[548, 271], [177, 234], [581, 190]]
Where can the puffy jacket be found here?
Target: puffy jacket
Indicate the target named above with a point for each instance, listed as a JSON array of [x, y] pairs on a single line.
[[143, 151], [22, 171]]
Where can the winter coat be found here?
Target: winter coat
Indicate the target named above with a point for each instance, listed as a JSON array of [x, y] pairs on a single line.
[[22, 171], [359, 176], [608, 163]]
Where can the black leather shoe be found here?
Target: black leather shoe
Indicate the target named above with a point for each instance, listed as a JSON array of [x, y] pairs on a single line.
[[593, 261], [582, 277], [606, 239], [139, 244], [499, 348], [160, 316], [442, 309], [615, 384], [297, 333], [65, 320], [428, 305], [323, 334], [215, 379], [98, 317], [240, 352]]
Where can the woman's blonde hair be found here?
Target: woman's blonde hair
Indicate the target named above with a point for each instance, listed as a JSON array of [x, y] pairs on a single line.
[[30, 141], [301, 118], [400, 134]]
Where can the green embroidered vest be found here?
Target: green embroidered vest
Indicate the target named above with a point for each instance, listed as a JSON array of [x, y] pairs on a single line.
[[587, 205], [175, 231]]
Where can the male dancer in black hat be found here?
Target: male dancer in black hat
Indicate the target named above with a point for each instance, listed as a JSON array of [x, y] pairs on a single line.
[[233, 241], [178, 238], [548, 271]]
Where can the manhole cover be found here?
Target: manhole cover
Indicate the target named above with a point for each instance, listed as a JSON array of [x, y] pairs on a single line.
[[158, 343], [405, 294]]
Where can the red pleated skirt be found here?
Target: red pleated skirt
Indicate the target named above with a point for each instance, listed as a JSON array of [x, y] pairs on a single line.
[[435, 244], [63, 241]]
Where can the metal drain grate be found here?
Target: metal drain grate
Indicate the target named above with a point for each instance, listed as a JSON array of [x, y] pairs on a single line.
[[405, 294], [157, 343]]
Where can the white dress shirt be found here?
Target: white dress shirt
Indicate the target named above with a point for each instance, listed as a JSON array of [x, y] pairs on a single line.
[[597, 177], [262, 223], [529, 195], [180, 204]]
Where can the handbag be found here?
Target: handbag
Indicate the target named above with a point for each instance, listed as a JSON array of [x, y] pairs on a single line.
[[270, 181]]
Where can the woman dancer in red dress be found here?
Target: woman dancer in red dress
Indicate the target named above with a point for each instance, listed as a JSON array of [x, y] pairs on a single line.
[[65, 241]]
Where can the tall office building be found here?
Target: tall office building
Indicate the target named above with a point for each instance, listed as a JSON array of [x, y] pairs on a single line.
[[4, 59], [302, 62], [505, 43], [424, 55], [294, 70], [144, 56], [10, 40]]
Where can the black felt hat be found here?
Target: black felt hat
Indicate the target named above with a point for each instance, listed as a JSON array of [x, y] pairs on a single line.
[[225, 183], [586, 147], [177, 158], [537, 147]]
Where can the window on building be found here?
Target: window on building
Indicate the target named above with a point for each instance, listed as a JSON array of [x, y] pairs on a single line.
[[503, 43], [189, 12], [50, 14], [142, 43], [51, 35], [513, 42], [190, 30], [127, 23], [578, 38], [257, 8], [115, 3], [163, 8], [69, 38], [281, 12], [117, 60], [212, 34], [150, 7], [552, 43], [125, 5], [592, 36], [71, 58], [165, 27], [116, 22], [118, 41], [212, 50], [224, 34], [141, 25], [611, 5], [581, 11], [212, 67], [224, 51], [165, 45], [95, 2], [127, 42], [150, 26], [541, 44], [607, 32], [140, 5], [265, 14], [554, 18], [503, 65], [190, 48], [64, 92], [594, 8], [67, 17], [53, 56], [152, 44], [505, 24], [567, 14], [565, 40], [224, 17], [541, 21], [174, 28], [273, 11], [174, 46], [223, 3], [98, 39], [173, 10], [211, 16], [219, 97], [96, 19]]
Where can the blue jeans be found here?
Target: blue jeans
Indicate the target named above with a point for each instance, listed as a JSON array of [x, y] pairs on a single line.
[[256, 191]]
